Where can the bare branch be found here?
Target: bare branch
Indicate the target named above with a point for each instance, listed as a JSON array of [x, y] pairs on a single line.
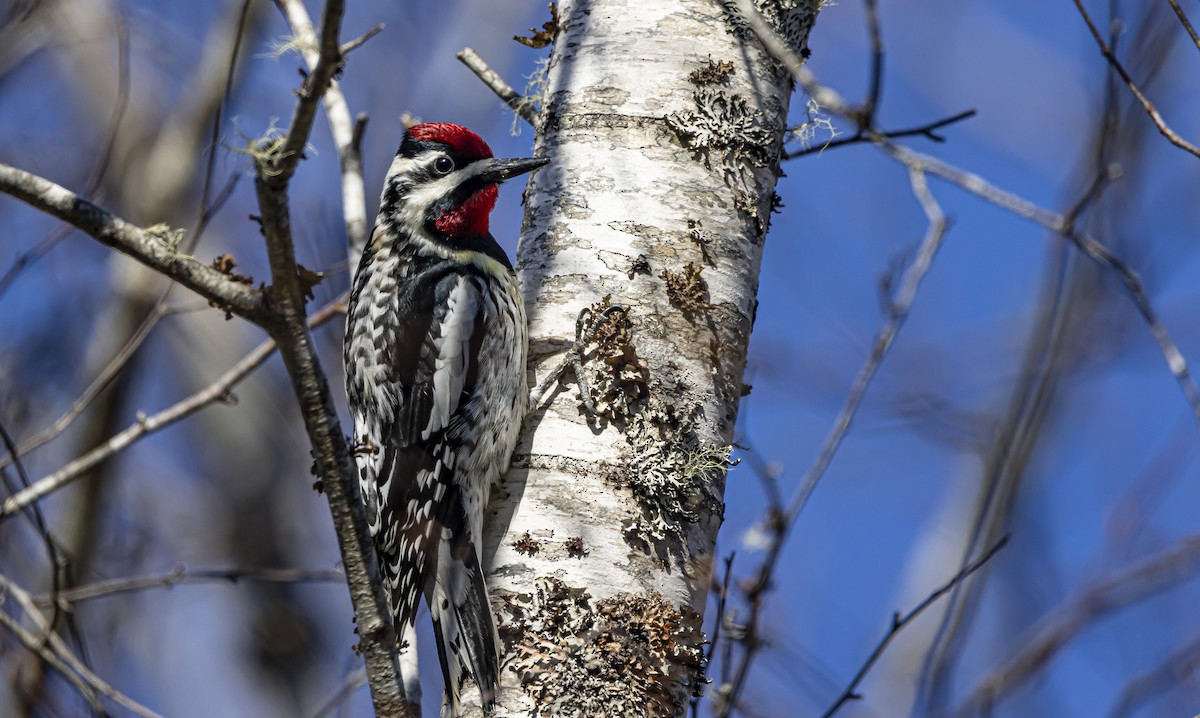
[[825, 96], [1089, 246], [334, 467], [899, 622], [928, 130], [217, 391], [884, 338], [523, 106], [977, 185], [181, 575], [133, 241], [165, 170], [357, 679], [99, 169], [361, 39], [1187, 25], [51, 647], [35, 645], [346, 131], [282, 163], [721, 588], [36, 518], [871, 8], [102, 380], [779, 519], [1148, 106], [1178, 667], [205, 213], [1140, 581]]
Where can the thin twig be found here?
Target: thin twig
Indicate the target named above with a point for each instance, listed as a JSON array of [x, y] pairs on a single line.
[[824, 95], [361, 39], [1187, 25], [1144, 579], [1015, 438], [862, 116], [523, 106], [166, 168], [1092, 249], [871, 9], [36, 518], [203, 214], [756, 593], [928, 131], [1148, 106], [87, 682], [35, 645], [146, 425], [722, 591], [102, 380], [899, 622], [1177, 668], [346, 131], [282, 163], [99, 169], [779, 519], [357, 679], [884, 338], [182, 575]]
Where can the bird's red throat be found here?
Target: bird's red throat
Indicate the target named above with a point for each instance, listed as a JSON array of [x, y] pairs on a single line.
[[470, 219]]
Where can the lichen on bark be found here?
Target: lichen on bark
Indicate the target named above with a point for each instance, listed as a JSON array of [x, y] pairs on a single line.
[[625, 655]]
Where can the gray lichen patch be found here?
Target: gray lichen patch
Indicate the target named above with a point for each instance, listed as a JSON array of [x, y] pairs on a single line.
[[725, 123], [167, 234], [628, 655], [704, 240], [792, 19], [671, 472], [747, 206]]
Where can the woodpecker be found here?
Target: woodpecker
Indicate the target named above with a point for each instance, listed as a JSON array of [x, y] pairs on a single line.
[[435, 352]]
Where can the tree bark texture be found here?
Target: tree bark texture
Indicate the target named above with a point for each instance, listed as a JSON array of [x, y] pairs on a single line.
[[664, 122]]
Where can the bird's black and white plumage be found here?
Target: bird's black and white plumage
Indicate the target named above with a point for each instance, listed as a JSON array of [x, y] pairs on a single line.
[[435, 374]]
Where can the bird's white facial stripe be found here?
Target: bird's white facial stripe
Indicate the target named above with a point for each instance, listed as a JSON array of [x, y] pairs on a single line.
[[420, 196]]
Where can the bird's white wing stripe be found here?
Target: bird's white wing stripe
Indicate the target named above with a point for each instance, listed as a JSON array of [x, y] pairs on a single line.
[[453, 347]]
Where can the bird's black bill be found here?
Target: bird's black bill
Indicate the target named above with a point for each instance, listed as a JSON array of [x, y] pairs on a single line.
[[496, 170]]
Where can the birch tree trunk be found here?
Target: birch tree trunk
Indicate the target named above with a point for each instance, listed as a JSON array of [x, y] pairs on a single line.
[[664, 121]]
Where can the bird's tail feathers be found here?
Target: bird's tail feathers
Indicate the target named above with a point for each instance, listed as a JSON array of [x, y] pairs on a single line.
[[464, 627]]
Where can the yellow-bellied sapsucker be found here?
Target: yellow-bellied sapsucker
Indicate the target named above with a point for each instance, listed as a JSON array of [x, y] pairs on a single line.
[[435, 373]]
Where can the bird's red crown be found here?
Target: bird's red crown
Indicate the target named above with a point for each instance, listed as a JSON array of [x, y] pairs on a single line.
[[461, 140]]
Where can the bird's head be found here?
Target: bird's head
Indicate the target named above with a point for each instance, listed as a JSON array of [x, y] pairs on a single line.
[[444, 181]]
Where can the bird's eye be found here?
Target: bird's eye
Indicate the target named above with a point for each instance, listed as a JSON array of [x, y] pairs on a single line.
[[443, 164]]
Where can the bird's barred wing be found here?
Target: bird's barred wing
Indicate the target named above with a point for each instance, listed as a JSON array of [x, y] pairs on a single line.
[[436, 368]]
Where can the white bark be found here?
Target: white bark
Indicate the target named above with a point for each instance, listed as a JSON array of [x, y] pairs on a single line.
[[601, 537]]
